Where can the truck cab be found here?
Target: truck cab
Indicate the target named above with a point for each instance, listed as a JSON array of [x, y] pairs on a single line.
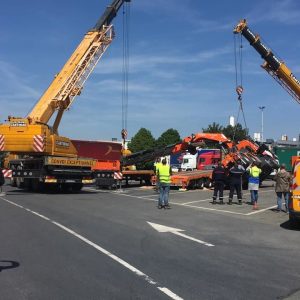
[[189, 162]]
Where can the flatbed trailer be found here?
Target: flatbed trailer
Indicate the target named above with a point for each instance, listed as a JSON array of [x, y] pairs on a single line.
[[190, 179], [142, 176]]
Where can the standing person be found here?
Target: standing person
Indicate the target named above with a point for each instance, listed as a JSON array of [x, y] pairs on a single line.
[[282, 187], [235, 182], [218, 178], [253, 182], [156, 167], [164, 173]]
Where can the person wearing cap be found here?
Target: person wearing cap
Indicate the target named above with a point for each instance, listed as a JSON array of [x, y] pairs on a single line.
[[282, 187], [219, 179], [235, 182], [156, 167], [253, 182], [164, 173]]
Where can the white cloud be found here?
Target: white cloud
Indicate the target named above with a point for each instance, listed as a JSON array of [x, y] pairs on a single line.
[[283, 11]]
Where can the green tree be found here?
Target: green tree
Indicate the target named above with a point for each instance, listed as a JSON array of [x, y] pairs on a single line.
[[143, 140], [213, 128], [170, 136], [235, 133]]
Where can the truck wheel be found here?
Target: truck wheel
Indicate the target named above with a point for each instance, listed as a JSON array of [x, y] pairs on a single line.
[[76, 187], [36, 185], [201, 184], [13, 182], [208, 183], [19, 183]]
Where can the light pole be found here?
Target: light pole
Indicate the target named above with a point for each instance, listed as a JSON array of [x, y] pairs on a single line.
[[262, 122]]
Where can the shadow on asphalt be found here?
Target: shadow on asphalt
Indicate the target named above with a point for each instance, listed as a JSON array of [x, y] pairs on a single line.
[[286, 225], [8, 264]]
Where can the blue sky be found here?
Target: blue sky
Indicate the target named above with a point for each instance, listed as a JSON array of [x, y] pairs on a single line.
[[182, 71]]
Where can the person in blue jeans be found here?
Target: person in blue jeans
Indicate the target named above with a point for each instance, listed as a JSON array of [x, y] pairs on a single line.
[[282, 187], [253, 183], [164, 173]]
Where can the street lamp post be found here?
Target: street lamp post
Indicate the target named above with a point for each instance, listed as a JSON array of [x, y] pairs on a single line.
[[262, 122]]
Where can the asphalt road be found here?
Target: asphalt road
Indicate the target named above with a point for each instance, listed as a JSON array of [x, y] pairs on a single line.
[[100, 245]]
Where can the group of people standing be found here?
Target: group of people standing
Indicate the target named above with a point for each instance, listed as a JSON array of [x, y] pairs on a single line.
[[234, 177], [235, 180]]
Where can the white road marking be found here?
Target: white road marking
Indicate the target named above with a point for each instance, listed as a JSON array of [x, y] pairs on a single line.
[[176, 231], [187, 204], [104, 251], [170, 293], [260, 210]]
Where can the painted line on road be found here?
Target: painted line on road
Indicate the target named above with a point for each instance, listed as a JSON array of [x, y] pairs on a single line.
[[102, 250], [185, 204], [225, 197], [261, 210]]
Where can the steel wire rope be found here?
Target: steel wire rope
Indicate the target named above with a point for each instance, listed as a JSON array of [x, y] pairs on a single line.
[[125, 65], [239, 81]]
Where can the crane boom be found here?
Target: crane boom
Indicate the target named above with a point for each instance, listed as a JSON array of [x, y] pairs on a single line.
[[246, 151], [33, 135], [273, 65], [69, 82]]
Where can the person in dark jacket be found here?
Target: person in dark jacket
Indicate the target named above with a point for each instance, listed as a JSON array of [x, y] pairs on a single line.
[[282, 187], [218, 178], [235, 182]]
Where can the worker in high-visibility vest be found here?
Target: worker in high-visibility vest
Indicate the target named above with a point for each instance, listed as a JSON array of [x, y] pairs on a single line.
[[253, 182], [164, 173], [156, 167]]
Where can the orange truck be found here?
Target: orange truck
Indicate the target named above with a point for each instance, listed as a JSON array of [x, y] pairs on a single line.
[[294, 203], [190, 179], [107, 168]]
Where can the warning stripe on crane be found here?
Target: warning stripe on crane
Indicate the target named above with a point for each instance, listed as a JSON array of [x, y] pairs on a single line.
[[295, 186], [38, 143], [7, 173], [118, 175], [1, 142]]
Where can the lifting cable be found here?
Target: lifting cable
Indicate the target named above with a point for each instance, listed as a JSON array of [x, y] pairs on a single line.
[[125, 69], [238, 63]]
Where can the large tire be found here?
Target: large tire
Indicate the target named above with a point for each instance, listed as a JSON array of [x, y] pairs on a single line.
[[19, 183], [76, 187]]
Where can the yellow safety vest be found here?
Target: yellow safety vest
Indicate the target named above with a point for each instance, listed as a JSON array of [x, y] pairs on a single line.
[[255, 171], [157, 165], [164, 174]]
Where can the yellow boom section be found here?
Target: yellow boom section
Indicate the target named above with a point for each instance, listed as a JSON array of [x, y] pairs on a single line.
[[69, 81], [273, 65]]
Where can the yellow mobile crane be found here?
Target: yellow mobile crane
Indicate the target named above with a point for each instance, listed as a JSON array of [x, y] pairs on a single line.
[[273, 65], [43, 155]]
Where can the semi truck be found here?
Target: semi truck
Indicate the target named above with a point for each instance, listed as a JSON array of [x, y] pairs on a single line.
[[203, 159], [107, 171], [43, 157]]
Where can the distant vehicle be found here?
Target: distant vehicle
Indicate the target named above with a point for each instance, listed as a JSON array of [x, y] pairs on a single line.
[[204, 159]]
